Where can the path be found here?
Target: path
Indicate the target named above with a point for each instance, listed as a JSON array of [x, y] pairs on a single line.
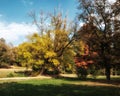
[[24, 78]]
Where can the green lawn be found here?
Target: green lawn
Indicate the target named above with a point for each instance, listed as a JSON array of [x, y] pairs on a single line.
[[56, 87]]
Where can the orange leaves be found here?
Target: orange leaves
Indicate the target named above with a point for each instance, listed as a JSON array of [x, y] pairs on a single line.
[[81, 62]]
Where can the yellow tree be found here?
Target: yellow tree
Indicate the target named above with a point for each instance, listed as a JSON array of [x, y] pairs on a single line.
[[37, 53], [51, 47], [62, 41]]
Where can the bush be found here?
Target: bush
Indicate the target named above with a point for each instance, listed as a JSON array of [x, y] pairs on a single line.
[[81, 72], [94, 71], [10, 75]]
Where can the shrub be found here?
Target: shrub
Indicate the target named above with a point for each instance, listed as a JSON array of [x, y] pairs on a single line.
[[81, 72], [10, 75]]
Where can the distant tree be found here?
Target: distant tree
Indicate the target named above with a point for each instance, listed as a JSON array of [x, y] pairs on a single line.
[[101, 19], [6, 55]]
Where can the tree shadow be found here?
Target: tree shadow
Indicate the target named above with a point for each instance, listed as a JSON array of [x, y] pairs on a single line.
[[115, 81], [21, 89], [25, 72]]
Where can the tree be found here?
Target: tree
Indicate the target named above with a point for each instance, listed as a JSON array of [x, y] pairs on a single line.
[[52, 43], [80, 63], [102, 18], [37, 53], [62, 40], [6, 55], [23, 57], [59, 29], [85, 60], [115, 59]]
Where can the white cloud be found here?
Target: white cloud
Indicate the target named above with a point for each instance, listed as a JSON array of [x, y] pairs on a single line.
[[15, 32]]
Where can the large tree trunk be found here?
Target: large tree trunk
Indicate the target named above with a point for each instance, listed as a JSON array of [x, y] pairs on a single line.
[[107, 68], [107, 72], [105, 52]]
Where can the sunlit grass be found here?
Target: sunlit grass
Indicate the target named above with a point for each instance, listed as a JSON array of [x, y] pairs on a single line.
[[11, 72]]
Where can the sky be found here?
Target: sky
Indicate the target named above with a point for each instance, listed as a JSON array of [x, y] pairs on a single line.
[[15, 24]]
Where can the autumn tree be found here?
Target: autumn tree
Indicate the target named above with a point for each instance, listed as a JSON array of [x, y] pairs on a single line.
[[49, 49], [62, 40], [101, 20], [6, 54]]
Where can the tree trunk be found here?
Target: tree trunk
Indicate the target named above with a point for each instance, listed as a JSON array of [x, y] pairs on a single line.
[[42, 70], [107, 65], [107, 72]]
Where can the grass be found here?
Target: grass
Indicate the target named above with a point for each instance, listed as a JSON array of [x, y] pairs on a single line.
[[63, 86], [56, 87], [12, 72]]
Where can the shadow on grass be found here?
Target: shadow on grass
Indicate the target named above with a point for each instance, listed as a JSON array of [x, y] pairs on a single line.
[[21, 89], [113, 81], [25, 72]]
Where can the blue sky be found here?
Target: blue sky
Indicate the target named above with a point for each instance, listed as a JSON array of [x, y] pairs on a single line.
[[14, 16]]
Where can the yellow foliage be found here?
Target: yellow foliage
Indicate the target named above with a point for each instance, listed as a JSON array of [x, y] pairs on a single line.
[[50, 54], [39, 62], [55, 62], [26, 55]]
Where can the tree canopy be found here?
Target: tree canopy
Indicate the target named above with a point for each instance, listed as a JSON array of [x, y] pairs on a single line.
[[101, 19]]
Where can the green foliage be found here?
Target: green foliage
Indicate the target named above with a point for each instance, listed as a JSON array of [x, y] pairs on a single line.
[[94, 70], [79, 47], [10, 75], [82, 72], [67, 60]]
